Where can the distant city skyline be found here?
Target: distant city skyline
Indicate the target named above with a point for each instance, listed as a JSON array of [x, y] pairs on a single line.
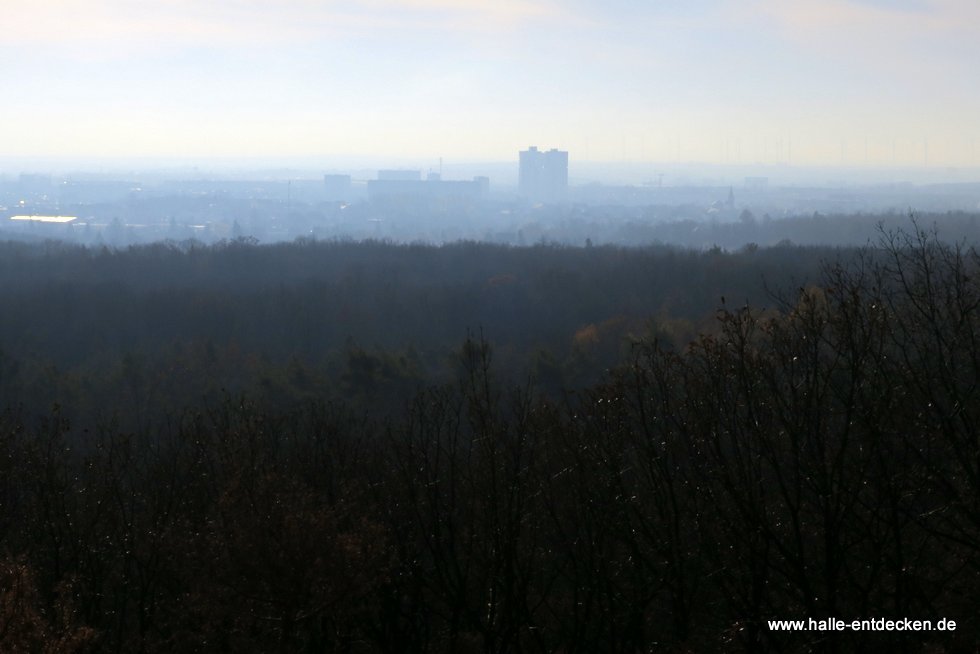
[[835, 83]]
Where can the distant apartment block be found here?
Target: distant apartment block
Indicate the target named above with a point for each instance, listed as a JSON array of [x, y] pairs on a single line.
[[543, 175], [400, 175], [408, 185], [337, 187]]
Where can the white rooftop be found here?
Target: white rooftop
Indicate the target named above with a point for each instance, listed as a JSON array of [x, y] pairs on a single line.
[[46, 219]]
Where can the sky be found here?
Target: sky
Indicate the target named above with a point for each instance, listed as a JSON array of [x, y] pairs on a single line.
[[798, 82]]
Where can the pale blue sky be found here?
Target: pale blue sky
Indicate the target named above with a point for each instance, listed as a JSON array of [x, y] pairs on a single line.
[[797, 81]]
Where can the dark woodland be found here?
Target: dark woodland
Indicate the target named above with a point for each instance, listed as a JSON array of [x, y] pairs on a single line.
[[369, 447]]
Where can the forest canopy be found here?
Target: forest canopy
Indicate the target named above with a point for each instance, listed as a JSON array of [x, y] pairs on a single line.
[[377, 448]]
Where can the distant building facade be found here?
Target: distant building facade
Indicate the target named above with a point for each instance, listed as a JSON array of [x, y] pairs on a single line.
[[433, 188], [337, 187], [400, 175], [543, 176]]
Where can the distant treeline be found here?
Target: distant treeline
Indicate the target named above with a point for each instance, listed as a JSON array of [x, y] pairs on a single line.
[[151, 329], [753, 229], [690, 225], [810, 453]]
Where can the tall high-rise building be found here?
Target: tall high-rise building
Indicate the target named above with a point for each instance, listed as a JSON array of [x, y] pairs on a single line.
[[543, 175]]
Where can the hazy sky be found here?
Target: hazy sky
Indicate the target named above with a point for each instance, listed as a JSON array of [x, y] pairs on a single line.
[[799, 81]]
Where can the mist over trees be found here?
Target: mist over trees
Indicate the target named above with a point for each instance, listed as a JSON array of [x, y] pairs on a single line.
[[328, 446], [170, 323]]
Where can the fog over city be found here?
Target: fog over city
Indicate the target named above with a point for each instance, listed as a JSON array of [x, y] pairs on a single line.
[[177, 120], [550, 199]]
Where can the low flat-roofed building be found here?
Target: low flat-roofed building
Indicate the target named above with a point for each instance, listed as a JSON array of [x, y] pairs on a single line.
[[337, 187], [400, 175], [430, 189], [58, 220]]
